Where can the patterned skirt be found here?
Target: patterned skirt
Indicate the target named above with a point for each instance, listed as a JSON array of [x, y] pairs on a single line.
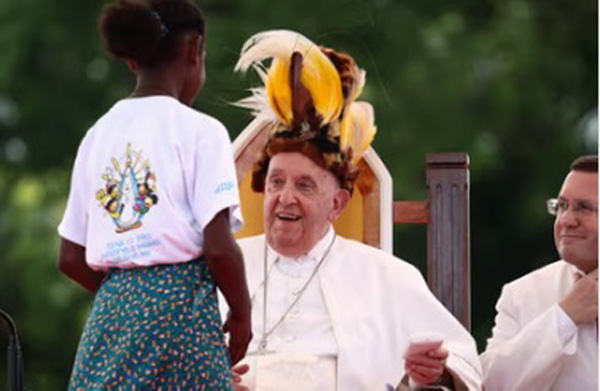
[[156, 328]]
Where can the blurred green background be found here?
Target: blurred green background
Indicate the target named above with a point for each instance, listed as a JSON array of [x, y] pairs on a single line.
[[513, 83]]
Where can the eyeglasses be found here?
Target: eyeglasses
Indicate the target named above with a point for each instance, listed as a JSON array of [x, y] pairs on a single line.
[[559, 206]]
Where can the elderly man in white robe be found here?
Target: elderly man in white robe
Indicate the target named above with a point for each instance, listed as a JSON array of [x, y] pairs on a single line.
[[546, 332], [330, 313]]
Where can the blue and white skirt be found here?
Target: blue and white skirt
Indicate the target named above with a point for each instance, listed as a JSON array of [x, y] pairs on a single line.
[[154, 328]]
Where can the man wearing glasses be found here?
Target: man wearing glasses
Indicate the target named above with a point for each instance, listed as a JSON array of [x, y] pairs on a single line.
[[546, 331]]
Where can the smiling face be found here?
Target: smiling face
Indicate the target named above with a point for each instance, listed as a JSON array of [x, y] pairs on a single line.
[[576, 233], [301, 200]]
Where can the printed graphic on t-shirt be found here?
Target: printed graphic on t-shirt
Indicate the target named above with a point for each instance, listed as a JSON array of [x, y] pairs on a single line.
[[129, 192]]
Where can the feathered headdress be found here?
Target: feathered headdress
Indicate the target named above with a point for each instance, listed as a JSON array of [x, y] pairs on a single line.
[[310, 93]]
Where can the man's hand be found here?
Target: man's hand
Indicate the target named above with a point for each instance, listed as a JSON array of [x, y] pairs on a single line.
[[238, 371], [581, 304], [426, 368], [240, 335]]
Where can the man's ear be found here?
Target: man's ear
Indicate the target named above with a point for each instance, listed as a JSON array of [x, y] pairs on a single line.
[[340, 200]]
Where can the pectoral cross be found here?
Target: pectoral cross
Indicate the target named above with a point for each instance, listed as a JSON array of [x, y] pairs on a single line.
[[262, 346]]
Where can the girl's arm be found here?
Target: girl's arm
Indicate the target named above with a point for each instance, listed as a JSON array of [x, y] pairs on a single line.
[[71, 261], [225, 261]]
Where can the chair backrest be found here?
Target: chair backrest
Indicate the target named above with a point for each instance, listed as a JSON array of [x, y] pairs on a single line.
[[447, 215], [370, 215]]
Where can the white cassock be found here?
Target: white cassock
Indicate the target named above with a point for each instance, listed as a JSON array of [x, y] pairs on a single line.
[[534, 344], [372, 303]]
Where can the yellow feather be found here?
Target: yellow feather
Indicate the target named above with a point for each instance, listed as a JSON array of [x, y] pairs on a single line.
[[322, 80], [319, 75], [279, 91], [358, 129]]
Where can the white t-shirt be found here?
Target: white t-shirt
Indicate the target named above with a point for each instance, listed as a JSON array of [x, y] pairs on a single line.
[[148, 178]]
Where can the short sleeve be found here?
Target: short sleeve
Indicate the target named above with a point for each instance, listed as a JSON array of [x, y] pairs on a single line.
[[73, 226], [215, 183]]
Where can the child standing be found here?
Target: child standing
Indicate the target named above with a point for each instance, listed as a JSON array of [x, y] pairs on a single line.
[[148, 223]]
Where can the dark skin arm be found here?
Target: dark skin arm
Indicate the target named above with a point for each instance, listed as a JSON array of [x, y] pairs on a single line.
[[71, 261], [225, 261]]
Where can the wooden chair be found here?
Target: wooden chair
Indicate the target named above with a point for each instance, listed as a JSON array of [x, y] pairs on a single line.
[[446, 213], [371, 213]]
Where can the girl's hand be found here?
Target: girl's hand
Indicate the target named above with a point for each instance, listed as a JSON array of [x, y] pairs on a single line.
[[240, 335]]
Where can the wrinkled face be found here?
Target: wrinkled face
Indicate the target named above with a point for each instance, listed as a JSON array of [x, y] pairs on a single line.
[[301, 199], [576, 232]]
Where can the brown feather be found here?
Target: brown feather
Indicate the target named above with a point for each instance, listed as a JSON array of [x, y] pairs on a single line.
[[305, 117]]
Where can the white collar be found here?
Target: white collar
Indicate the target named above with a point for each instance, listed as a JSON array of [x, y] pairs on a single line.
[[574, 270], [315, 253]]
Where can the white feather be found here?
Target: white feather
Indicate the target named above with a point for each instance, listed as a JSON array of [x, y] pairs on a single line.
[[274, 43]]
